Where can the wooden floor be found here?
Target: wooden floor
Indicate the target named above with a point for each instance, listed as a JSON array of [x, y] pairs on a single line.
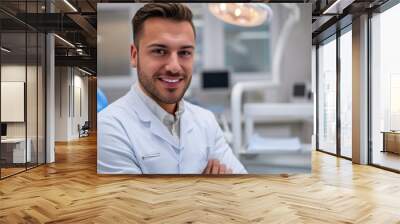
[[5, 172], [10, 171], [70, 191]]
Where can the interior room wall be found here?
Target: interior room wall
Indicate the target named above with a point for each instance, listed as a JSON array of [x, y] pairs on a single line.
[[67, 117], [92, 100], [62, 81], [16, 72], [80, 109], [41, 114], [33, 126]]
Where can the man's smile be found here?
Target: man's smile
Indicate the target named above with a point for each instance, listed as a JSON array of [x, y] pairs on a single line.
[[170, 81]]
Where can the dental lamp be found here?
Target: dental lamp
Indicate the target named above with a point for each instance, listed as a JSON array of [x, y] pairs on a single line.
[[241, 14]]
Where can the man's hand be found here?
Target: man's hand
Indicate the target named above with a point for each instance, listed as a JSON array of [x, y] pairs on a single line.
[[215, 167]]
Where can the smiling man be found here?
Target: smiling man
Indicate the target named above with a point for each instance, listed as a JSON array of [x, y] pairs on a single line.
[[152, 129]]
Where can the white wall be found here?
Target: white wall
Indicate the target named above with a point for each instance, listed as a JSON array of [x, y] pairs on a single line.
[[33, 106], [67, 115], [61, 103], [12, 73], [79, 117]]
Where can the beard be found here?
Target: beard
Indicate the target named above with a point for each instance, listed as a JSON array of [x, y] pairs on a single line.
[[151, 83]]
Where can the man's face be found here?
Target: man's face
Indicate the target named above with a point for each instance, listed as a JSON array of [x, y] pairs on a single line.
[[164, 58]]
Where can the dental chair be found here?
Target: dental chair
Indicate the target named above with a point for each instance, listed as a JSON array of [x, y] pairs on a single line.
[[262, 154]]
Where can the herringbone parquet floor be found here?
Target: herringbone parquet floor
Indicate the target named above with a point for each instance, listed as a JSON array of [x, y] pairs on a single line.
[[70, 191]]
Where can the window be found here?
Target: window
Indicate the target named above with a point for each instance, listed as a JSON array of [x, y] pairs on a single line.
[[385, 88], [327, 95], [346, 93]]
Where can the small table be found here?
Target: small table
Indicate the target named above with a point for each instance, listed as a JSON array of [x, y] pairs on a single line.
[[16, 147], [391, 141]]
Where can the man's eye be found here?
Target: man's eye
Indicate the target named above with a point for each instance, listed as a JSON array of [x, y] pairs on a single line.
[[159, 51], [185, 53]]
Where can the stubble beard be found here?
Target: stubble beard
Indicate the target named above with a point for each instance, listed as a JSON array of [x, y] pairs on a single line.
[[149, 85]]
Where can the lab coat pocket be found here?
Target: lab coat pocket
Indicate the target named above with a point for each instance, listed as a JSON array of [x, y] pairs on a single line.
[[152, 163], [150, 156]]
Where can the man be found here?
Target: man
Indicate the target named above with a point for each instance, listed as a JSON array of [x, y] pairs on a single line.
[[152, 130]]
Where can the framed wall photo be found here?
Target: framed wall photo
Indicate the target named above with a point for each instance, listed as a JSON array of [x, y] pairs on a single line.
[[12, 101]]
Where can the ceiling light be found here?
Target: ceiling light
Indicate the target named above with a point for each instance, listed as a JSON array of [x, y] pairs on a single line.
[[222, 6], [337, 7], [64, 40], [5, 50], [84, 71], [242, 14], [70, 5], [237, 12]]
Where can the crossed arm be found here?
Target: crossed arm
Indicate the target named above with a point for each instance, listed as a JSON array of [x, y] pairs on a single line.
[[215, 167]]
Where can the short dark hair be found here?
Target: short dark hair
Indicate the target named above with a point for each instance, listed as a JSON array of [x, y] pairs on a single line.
[[173, 11]]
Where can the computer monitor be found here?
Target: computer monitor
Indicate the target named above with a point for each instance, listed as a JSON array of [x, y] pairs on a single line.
[[215, 79], [3, 129], [299, 90]]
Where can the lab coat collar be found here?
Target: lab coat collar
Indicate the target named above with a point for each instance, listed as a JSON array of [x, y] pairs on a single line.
[[156, 126], [156, 109], [186, 122]]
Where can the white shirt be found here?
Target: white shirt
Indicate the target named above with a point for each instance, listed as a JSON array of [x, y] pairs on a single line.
[[170, 121], [133, 140]]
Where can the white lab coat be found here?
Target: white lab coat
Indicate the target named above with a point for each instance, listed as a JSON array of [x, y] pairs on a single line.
[[132, 140]]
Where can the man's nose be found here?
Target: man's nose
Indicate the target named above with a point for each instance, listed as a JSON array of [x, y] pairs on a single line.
[[173, 64]]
